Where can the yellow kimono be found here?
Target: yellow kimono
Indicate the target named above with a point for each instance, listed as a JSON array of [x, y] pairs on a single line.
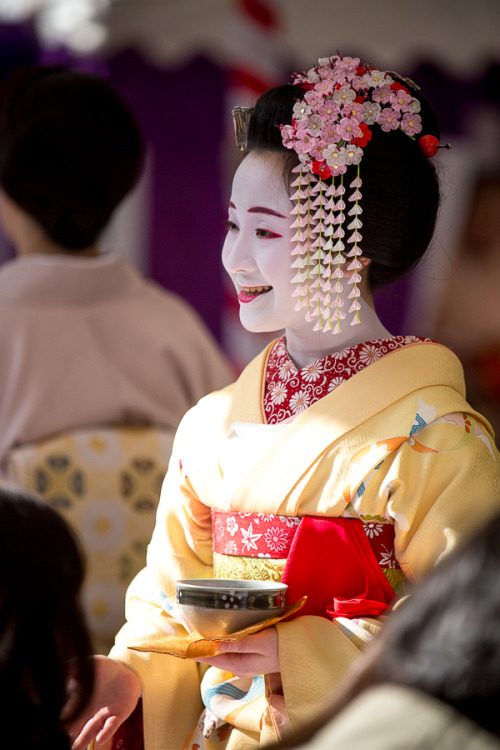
[[397, 442]]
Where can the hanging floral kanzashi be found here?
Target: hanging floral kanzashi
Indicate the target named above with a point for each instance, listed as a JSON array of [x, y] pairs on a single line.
[[329, 130]]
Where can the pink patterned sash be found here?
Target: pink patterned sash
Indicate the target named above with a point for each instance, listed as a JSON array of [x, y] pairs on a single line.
[[268, 536]]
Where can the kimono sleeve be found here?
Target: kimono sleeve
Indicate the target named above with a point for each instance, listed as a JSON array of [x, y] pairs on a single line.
[[315, 656], [443, 485], [180, 547]]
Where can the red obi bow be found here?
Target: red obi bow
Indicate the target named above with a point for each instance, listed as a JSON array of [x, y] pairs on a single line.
[[332, 562]]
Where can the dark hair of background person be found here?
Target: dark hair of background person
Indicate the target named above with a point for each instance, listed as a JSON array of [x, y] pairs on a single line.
[[44, 640], [70, 150], [443, 640], [400, 186]]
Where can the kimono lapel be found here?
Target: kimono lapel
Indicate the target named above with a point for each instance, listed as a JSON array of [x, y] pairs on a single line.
[[303, 443], [247, 403]]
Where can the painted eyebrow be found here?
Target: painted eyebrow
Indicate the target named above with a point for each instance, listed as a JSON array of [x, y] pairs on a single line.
[[264, 210], [260, 210]]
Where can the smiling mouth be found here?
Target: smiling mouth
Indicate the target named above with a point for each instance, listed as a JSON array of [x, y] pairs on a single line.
[[248, 293]]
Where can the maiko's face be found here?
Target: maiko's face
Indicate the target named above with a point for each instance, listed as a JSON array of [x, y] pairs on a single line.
[[257, 250]]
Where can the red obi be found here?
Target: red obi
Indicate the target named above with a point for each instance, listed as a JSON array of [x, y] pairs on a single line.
[[335, 561]]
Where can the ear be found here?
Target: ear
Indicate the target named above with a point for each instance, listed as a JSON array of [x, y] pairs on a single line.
[[16, 222], [9, 212], [364, 262]]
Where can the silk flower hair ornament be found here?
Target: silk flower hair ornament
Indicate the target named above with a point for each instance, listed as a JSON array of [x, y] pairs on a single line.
[[329, 130]]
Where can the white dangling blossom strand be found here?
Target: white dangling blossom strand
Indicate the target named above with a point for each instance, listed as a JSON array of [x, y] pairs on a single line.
[[356, 251]]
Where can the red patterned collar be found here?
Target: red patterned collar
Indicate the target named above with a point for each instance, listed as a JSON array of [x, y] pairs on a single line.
[[290, 391]]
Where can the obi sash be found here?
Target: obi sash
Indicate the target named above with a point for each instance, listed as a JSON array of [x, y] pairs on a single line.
[[335, 561], [331, 560]]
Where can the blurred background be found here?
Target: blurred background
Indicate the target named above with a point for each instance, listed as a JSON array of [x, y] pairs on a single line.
[[183, 64]]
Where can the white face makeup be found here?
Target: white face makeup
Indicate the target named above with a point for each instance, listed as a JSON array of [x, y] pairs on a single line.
[[257, 255], [257, 250]]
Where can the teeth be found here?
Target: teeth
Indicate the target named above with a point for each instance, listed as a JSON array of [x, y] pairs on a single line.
[[256, 289]]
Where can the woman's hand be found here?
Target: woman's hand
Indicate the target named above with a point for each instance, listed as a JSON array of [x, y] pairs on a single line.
[[116, 692], [253, 655]]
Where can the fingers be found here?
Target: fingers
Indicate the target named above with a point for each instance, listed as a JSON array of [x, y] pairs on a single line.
[[84, 736], [110, 728], [236, 647], [258, 643], [245, 646], [256, 654], [100, 727], [241, 665]]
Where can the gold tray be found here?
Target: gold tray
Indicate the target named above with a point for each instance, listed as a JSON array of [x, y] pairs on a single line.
[[194, 646]]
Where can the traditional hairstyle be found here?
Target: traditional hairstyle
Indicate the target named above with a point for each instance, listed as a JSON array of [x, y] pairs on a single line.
[[346, 127], [70, 150], [44, 640]]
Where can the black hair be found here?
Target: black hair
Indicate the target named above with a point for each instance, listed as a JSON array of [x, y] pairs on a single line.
[[44, 641], [70, 150], [400, 186]]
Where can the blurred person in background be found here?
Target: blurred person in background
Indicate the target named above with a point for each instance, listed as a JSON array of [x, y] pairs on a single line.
[[46, 669], [85, 340]]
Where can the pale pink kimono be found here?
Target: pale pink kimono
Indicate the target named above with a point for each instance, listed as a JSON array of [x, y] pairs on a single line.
[[88, 341]]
